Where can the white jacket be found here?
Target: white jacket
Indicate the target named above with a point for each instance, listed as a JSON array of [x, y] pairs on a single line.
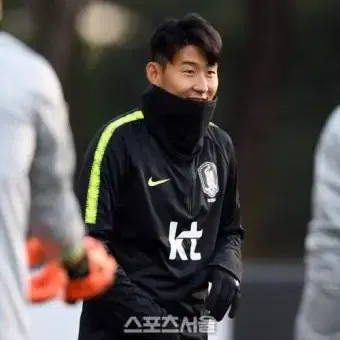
[[36, 168], [319, 313]]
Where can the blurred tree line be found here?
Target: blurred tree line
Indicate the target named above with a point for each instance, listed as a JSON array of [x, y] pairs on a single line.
[[279, 81]]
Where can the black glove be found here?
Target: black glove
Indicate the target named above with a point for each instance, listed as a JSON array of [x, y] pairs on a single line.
[[224, 293]]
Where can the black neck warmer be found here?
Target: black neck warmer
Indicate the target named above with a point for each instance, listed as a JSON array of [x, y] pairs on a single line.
[[178, 123]]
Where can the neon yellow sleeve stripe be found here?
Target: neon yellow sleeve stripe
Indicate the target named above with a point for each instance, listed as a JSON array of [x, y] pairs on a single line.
[[94, 182]]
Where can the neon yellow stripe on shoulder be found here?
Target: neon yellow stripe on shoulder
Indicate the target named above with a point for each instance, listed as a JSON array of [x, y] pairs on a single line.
[[94, 183]]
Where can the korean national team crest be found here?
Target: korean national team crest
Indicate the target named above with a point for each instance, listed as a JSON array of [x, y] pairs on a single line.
[[209, 180]]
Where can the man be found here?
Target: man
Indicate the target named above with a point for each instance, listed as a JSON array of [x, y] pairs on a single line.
[[319, 313], [159, 189], [36, 197]]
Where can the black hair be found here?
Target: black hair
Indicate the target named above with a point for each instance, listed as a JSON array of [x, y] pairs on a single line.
[[174, 34]]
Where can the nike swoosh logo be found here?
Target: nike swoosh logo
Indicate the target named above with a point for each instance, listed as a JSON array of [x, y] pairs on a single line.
[[152, 183]]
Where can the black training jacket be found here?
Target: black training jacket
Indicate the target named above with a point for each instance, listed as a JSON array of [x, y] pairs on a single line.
[[166, 219]]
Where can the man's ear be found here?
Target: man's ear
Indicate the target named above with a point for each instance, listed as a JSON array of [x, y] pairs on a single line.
[[154, 73]]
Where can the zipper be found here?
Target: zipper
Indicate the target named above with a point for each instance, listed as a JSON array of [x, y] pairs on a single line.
[[192, 176]]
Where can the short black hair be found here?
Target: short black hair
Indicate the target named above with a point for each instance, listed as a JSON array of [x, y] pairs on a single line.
[[174, 34]]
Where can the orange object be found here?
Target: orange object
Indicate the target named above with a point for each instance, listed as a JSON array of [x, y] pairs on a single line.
[[102, 270], [52, 281], [47, 284], [35, 252]]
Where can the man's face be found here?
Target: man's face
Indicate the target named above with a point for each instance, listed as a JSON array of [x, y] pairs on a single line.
[[187, 76]]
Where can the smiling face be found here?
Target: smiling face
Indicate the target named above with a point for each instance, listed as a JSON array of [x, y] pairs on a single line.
[[188, 75]]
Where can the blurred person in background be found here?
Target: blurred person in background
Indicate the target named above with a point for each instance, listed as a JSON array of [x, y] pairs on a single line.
[[36, 197], [159, 188], [319, 312]]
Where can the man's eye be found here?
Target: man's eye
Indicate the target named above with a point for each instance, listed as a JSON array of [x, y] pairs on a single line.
[[211, 73], [189, 72]]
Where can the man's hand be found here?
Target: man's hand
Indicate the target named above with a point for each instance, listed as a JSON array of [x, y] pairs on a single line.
[[35, 252], [47, 284], [86, 274], [50, 280], [224, 293], [92, 274]]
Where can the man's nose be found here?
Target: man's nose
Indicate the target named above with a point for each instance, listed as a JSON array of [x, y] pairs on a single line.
[[201, 85]]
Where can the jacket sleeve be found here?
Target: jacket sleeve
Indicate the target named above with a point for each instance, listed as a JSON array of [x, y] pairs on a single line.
[[100, 188], [55, 215], [323, 234], [230, 236], [100, 182], [318, 313]]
